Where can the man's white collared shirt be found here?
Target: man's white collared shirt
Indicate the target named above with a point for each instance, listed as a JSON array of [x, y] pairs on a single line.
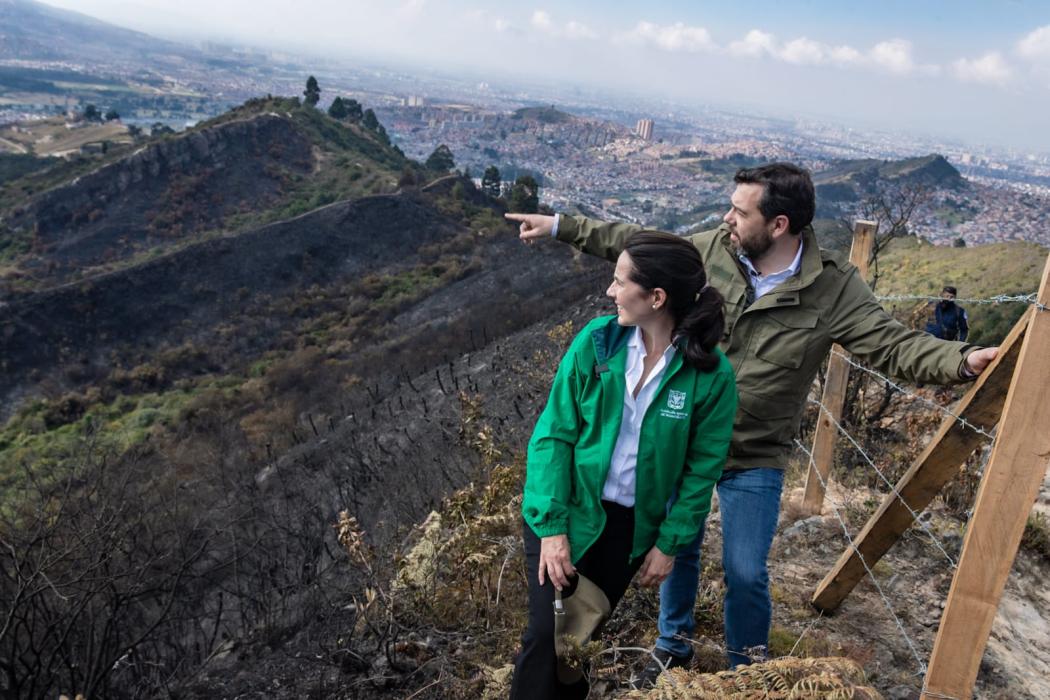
[[619, 484], [764, 284]]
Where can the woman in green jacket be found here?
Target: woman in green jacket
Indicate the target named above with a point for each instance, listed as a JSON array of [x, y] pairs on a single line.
[[632, 440]]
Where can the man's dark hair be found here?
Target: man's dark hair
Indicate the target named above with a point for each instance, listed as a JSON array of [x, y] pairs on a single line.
[[787, 191], [951, 290]]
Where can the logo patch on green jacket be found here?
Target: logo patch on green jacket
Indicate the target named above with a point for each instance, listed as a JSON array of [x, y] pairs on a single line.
[[675, 404], [676, 400]]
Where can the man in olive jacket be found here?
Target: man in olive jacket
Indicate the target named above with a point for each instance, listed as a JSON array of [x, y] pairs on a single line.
[[787, 301]]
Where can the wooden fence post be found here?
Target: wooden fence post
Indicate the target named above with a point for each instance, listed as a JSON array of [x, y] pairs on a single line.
[[954, 441], [1005, 497], [834, 388]]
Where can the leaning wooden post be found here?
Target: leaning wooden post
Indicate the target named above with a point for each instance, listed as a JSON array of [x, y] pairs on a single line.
[[834, 388], [1005, 497]]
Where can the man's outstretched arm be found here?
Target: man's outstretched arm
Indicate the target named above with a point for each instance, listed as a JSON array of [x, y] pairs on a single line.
[[599, 238]]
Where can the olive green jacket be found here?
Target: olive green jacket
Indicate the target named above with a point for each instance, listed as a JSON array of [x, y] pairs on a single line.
[[681, 448], [777, 344]]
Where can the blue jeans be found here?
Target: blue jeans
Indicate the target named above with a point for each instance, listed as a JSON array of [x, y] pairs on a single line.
[[749, 500]]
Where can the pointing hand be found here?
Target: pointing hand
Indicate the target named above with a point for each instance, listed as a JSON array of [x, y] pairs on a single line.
[[533, 226]]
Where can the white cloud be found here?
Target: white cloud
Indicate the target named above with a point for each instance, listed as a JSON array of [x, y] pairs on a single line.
[[754, 44], [893, 55], [1035, 46], [500, 24], [803, 51], [845, 55], [672, 37], [541, 20], [990, 69]]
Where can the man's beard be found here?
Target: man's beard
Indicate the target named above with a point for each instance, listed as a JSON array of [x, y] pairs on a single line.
[[755, 247]]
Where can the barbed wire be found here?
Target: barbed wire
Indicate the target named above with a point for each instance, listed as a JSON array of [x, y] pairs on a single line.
[[922, 399], [1030, 299], [886, 480], [856, 550]]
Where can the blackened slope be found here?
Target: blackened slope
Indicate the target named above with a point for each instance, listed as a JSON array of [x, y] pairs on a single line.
[[404, 453], [181, 294], [207, 294]]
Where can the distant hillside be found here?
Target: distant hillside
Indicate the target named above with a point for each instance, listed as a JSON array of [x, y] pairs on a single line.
[[852, 180], [35, 31], [910, 266], [833, 234], [544, 115], [265, 161]]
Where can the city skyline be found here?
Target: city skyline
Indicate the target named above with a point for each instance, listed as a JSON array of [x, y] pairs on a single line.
[[962, 70]]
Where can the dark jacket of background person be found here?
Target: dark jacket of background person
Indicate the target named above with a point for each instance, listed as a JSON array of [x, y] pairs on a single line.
[[949, 321]]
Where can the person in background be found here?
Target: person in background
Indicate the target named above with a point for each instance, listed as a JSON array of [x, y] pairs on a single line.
[[948, 320]]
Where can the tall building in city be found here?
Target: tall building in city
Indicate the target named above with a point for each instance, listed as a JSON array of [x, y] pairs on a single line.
[[645, 129]]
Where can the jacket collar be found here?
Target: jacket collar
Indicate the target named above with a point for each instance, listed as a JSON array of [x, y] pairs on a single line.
[[610, 340]]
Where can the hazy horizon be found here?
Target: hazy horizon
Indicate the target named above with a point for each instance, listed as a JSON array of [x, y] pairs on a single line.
[[963, 71]]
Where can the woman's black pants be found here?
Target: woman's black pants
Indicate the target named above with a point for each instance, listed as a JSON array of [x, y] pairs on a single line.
[[607, 563]]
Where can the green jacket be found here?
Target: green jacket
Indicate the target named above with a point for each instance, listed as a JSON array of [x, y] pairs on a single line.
[[683, 442], [777, 344]]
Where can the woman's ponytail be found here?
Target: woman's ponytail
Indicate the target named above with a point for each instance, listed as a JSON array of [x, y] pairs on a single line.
[[700, 329]]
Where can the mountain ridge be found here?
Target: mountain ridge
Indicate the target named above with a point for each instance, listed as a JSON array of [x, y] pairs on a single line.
[[252, 165]]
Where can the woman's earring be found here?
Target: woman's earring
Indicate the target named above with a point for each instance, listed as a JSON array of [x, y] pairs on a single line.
[[654, 307]]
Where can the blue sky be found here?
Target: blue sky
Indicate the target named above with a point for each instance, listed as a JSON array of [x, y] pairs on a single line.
[[978, 71]]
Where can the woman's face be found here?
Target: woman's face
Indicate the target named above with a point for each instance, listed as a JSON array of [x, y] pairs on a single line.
[[633, 303]]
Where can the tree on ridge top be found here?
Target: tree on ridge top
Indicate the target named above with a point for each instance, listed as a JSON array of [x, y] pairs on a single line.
[[491, 183], [312, 92], [441, 160], [338, 110]]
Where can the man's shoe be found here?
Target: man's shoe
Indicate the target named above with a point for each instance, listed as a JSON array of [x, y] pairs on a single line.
[[659, 661]]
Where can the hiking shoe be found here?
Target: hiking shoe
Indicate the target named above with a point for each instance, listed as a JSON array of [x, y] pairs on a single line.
[[659, 661]]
